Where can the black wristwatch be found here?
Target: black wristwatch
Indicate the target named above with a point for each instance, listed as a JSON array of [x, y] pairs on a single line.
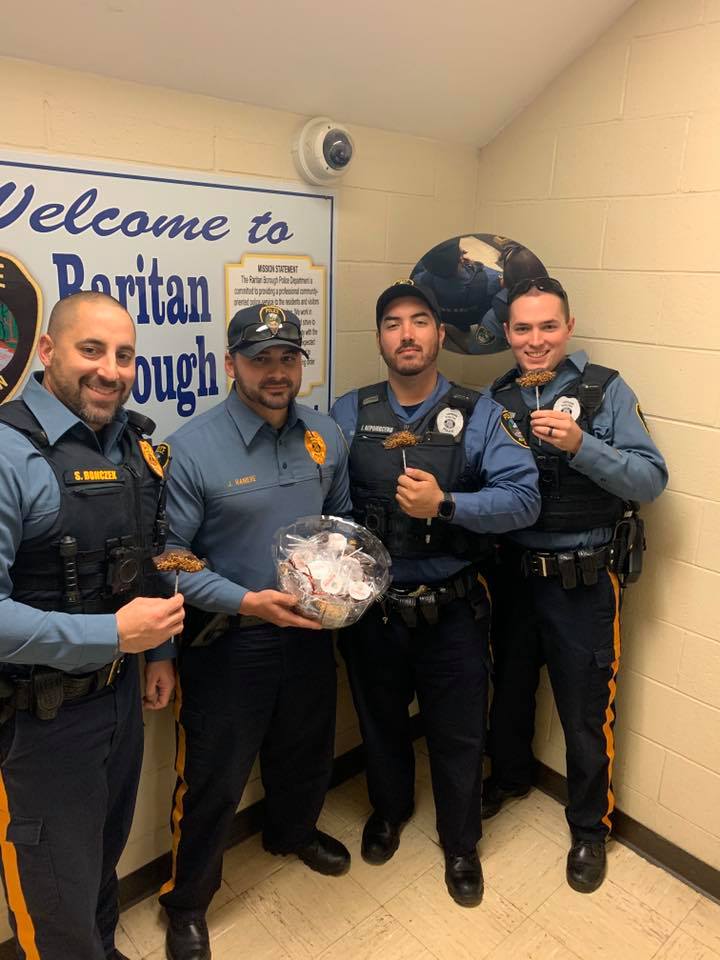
[[446, 507]]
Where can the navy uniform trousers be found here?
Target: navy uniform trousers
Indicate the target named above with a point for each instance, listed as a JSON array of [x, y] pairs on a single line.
[[67, 797], [447, 666], [576, 633], [258, 690]]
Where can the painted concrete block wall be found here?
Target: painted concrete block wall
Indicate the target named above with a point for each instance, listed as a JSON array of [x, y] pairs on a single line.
[[613, 177], [402, 196]]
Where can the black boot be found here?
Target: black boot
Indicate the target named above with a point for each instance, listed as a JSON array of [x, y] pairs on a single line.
[[494, 796], [325, 855], [187, 937], [464, 878], [586, 865], [380, 839]]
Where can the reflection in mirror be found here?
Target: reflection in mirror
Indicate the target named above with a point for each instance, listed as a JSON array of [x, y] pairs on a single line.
[[470, 277]]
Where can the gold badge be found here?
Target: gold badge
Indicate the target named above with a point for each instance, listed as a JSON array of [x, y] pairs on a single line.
[[404, 283], [148, 455], [315, 446], [273, 318]]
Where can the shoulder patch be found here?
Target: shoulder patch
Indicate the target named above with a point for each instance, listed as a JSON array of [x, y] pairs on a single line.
[[512, 429], [643, 421], [148, 455], [162, 454], [482, 335]]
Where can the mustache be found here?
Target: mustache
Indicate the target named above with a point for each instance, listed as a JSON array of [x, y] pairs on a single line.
[[275, 383], [406, 344], [99, 382]]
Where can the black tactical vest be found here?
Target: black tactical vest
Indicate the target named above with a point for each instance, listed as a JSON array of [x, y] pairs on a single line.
[[374, 473], [571, 502], [96, 555]]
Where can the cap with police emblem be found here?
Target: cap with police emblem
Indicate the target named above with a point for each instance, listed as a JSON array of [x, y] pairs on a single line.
[[406, 288], [254, 329]]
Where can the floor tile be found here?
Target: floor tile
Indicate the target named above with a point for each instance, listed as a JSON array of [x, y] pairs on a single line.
[[451, 932], [526, 868], [236, 932], [306, 912], [681, 946], [703, 923], [247, 864], [415, 855], [654, 887], [609, 924], [125, 945], [349, 801], [545, 814], [530, 942], [378, 936]]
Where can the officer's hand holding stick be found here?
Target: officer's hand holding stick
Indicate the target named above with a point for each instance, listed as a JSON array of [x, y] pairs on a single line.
[[146, 622], [418, 494], [557, 428]]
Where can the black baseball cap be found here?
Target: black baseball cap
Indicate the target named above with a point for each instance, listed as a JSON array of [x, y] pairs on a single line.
[[406, 288], [254, 329]]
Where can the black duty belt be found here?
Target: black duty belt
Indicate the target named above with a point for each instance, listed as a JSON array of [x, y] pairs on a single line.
[[45, 690], [572, 567], [241, 621], [408, 599]]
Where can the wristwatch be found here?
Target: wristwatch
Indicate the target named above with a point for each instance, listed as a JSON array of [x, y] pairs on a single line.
[[446, 507]]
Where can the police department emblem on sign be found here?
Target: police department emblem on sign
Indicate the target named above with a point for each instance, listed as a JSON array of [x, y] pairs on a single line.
[[272, 317], [20, 322], [569, 405], [512, 429], [450, 420]]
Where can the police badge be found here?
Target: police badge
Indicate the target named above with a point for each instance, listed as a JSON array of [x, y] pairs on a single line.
[[273, 318]]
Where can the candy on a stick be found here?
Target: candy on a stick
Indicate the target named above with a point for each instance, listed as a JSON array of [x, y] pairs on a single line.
[[401, 438], [181, 561]]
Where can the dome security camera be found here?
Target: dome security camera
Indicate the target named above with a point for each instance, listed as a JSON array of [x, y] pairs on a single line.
[[322, 151]]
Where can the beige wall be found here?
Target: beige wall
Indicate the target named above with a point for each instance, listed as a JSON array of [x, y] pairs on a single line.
[[613, 176], [402, 195]]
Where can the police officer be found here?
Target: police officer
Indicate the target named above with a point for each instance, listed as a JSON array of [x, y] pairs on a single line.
[[266, 683], [466, 474], [80, 489], [558, 596]]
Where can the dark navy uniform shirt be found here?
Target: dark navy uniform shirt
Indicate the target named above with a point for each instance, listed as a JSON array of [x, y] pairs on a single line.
[[619, 455], [507, 497], [235, 480], [29, 502]]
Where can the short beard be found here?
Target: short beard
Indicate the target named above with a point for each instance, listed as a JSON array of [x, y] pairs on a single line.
[[94, 416], [263, 399], [424, 359]]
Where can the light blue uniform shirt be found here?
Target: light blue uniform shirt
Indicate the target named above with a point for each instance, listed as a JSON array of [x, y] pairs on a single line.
[[507, 495], [618, 455], [29, 502], [234, 481]]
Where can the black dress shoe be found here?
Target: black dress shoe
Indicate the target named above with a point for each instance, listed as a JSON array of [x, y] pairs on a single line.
[[187, 937], [494, 796], [326, 855], [586, 865], [464, 878], [380, 839]]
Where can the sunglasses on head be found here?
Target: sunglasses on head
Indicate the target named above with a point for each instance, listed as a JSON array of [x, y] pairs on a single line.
[[286, 330], [543, 284]]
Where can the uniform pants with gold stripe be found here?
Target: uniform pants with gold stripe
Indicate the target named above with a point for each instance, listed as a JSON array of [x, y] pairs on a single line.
[[267, 691], [66, 805], [576, 633]]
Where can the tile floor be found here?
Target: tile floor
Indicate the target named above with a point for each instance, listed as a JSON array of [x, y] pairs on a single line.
[[274, 908]]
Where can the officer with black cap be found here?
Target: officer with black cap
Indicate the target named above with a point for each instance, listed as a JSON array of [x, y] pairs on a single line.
[[559, 584], [255, 676], [435, 471], [81, 501]]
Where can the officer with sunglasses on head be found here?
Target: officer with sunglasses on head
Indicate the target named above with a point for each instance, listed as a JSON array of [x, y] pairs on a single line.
[[557, 596], [259, 678]]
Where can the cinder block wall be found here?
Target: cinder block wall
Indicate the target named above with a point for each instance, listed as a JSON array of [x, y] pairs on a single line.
[[402, 195], [613, 176]]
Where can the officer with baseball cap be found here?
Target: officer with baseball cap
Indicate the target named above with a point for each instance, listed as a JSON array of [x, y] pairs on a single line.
[[436, 470], [261, 680]]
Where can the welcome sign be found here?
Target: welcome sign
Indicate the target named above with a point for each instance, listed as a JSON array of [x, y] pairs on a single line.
[[182, 253]]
